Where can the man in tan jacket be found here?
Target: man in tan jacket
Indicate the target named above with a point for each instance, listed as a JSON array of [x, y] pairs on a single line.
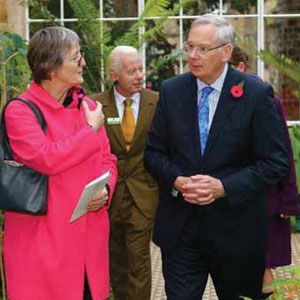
[[128, 109]]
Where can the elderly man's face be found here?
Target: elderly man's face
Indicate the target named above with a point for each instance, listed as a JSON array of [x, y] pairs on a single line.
[[206, 56], [131, 75]]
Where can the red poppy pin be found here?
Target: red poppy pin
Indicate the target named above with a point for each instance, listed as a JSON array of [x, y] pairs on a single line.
[[237, 91]]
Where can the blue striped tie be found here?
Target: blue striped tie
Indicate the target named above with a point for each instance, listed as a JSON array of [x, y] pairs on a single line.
[[203, 116]]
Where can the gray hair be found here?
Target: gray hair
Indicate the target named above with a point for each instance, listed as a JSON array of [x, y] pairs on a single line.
[[115, 57], [225, 33], [47, 49]]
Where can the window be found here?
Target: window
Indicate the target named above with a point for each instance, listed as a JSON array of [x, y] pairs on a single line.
[[260, 24]]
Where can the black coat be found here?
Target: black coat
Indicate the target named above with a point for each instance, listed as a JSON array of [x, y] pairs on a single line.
[[245, 150]]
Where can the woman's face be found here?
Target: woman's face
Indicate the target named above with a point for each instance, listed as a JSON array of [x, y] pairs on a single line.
[[71, 71]]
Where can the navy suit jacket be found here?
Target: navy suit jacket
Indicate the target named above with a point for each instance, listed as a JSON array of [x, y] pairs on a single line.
[[245, 150]]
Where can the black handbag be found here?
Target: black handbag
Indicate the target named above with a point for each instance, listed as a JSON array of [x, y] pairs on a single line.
[[21, 188]]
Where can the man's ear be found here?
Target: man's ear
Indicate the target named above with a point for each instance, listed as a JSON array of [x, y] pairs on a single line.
[[227, 51], [113, 76]]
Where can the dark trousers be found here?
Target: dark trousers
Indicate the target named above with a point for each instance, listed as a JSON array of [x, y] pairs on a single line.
[[86, 292], [130, 262], [187, 266]]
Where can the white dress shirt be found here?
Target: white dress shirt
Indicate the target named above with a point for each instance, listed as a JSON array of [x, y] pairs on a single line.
[[214, 96], [134, 106]]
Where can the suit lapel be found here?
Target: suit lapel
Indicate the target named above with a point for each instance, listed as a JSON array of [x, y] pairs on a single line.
[[190, 113], [225, 106], [110, 110], [144, 116]]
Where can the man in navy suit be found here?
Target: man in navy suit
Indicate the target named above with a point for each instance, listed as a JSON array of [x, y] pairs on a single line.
[[214, 146]]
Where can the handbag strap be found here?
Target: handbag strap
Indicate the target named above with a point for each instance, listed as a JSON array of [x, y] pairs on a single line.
[[7, 153]]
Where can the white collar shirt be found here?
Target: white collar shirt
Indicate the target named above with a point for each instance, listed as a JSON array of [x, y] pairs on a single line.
[[134, 106], [214, 96]]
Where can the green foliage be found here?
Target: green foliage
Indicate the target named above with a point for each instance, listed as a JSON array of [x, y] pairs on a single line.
[[95, 38], [243, 6], [153, 8], [287, 288], [38, 8], [14, 70], [240, 6], [284, 64], [162, 65]]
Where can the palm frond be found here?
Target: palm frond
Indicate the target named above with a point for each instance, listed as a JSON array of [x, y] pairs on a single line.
[[153, 8], [284, 64]]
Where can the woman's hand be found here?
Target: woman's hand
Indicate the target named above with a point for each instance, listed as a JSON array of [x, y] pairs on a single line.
[[95, 118], [284, 216], [98, 201]]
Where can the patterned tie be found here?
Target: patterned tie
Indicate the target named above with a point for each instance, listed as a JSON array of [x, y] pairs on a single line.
[[203, 116], [128, 123]]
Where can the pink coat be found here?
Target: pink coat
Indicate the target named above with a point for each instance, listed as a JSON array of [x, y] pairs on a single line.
[[46, 256]]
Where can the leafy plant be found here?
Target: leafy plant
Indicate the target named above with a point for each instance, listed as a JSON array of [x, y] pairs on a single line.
[[286, 288], [153, 8], [38, 8], [243, 6], [284, 64], [13, 66], [95, 38]]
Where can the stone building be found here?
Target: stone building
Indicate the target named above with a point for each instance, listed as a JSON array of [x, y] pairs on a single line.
[[12, 16]]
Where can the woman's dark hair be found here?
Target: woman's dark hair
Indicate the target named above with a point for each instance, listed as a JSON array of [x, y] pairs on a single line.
[[47, 49], [238, 55]]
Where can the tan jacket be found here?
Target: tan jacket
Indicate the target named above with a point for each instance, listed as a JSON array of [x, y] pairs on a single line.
[[132, 172]]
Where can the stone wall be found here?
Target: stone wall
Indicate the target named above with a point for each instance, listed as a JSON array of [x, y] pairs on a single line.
[[3, 16], [12, 16]]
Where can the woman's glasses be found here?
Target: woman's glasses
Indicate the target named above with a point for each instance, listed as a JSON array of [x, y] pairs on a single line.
[[78, 58]]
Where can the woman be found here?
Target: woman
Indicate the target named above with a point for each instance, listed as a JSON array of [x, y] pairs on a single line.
[[283, 202], [282, 199], [47, 257]]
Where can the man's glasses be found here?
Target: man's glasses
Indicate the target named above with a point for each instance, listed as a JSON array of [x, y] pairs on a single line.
[[200, 49]]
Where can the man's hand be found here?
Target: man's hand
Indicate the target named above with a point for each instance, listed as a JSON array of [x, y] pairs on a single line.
[[202, 190], [95, 118], [98, 201], [180, 182]]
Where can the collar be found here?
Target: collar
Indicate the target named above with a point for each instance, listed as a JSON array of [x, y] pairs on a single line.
[[218, 84], [120, 98], [36, 91]]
